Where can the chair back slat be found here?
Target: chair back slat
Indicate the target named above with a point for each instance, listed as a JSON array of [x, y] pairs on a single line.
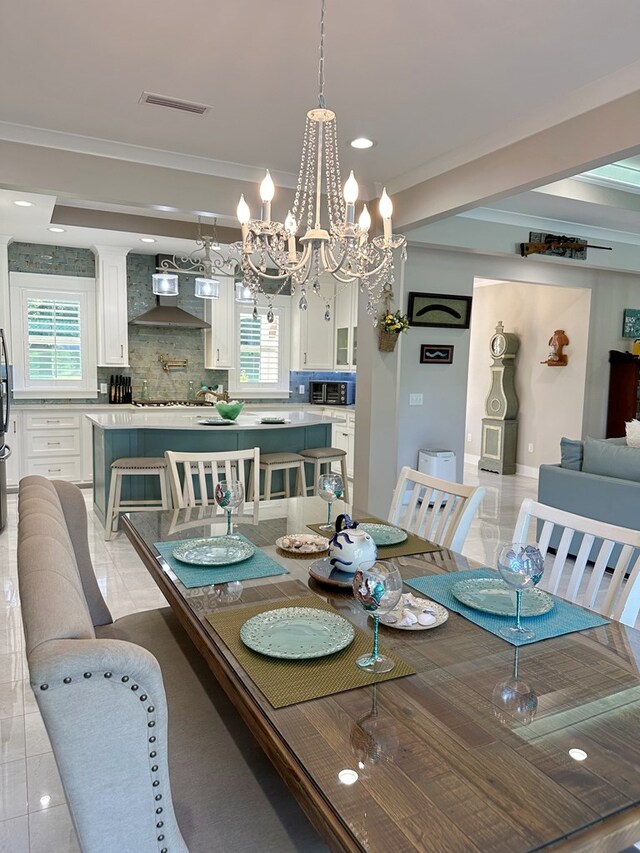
[[621, 598], [205, 470], [435, 509]]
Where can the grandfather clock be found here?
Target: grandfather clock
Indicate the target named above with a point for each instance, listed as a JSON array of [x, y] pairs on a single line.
[[500, 426]]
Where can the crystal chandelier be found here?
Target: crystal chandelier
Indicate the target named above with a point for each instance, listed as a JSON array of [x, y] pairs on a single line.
[[203, 263], [268, 251]]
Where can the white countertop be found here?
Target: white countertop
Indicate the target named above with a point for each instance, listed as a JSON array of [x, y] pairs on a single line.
[[175, 418]]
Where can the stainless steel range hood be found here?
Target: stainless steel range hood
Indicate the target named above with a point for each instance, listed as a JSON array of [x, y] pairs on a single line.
[[167, 314]]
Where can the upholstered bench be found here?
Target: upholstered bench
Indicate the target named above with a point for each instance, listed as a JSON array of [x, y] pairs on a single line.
[[152, 755]]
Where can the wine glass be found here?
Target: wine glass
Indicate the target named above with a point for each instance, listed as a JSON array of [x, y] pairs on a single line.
[[228, 495], [330, 488], [521, 566], [377, 586], [514, 698]]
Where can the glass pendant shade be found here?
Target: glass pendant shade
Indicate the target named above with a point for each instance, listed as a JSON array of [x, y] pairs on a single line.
[[165, 284], [244, 293], [207, 288]]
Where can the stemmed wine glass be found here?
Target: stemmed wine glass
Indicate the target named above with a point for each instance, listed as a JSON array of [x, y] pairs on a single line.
[[330, 488], [228, 495], [521, 566], [377, 586]]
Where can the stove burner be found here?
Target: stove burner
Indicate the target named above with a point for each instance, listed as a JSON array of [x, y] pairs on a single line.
[[162, 404]]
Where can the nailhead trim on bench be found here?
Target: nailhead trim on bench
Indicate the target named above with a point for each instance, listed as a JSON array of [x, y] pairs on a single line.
[[150, 724]]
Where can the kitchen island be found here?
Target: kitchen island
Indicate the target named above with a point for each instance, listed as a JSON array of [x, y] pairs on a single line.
[[150, 433]]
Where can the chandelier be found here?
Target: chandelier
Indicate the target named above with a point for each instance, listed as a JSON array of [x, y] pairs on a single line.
[[268, 254], [203, 263]]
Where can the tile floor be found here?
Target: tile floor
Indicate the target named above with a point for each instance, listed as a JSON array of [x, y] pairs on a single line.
[[33, 814]]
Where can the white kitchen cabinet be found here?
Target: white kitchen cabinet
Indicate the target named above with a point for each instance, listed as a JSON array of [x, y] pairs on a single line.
[[343, 437], [13, 439], [111, 306], [311, 335], [346, 327], [220, 338]]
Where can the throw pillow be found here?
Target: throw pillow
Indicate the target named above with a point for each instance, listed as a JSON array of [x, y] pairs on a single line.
[[633, 433], [611, 460], [571, 453]]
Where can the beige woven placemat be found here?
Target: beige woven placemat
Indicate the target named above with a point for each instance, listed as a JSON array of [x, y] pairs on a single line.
[[287, 682], [412, 544]]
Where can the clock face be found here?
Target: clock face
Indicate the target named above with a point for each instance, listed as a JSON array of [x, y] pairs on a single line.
[[498, 345]]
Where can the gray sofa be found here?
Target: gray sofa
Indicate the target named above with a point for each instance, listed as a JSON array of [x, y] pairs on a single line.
[[151, 754], [613, 499]]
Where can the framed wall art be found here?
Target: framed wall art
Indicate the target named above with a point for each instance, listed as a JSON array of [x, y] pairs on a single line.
[[436, 354], [631, 323], [439, 310]]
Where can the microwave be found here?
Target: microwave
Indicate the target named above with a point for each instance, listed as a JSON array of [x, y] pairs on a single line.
[[332, 393]]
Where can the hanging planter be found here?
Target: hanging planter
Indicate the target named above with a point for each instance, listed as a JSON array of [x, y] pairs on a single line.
[[390, 327], [387, 340]]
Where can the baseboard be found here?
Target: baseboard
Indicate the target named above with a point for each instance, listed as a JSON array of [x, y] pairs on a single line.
[[471, 459], [528, 471]]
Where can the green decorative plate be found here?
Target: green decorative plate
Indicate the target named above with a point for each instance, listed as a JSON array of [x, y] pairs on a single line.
[[383, 534], [297, 633], [216, 551], [492, 595]]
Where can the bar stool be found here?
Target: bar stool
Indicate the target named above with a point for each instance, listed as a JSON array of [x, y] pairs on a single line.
[[134, 466], [285, 462], [321, 457]]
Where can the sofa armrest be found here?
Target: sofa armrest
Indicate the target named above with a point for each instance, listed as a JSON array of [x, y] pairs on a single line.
[[104, 707], [591, 495]]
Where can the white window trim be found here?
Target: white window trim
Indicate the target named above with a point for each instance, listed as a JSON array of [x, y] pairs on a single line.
[[23, 285], [282, 306]]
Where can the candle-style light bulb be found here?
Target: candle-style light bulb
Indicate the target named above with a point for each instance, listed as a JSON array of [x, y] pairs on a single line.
[[386, 205], [364, 222], [243, 212], [267, 188], [291, 226], [351, 189]]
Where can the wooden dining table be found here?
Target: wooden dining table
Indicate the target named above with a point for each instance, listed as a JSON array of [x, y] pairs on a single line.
[[438, 762]]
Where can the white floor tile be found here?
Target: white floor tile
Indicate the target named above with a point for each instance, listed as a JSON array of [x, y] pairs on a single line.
[[14, 835], [12, 739], [13, 789], [51, 831], [44, 788]]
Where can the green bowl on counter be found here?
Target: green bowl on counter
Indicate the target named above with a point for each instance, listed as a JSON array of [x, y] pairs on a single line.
[[229, 410]]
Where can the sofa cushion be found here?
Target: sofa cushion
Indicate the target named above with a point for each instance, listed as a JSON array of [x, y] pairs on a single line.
[[633, 433], [571, 453], [611, 460]]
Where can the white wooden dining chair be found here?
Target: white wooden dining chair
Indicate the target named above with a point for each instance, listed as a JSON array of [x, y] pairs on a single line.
[[620, 598], [435, 509], [194, 476]]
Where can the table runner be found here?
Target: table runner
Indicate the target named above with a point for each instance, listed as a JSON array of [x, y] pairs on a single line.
[[412, 545], [287, 682], [260, 565], [564, 618]]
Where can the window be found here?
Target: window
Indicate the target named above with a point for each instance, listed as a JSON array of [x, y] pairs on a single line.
[[261, 352], [53, 332]]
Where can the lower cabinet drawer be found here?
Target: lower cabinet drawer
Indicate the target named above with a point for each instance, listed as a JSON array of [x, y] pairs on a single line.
[[58, 469], [51, 420], [52, 443]]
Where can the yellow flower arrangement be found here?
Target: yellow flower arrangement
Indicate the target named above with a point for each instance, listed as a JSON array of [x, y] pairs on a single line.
[[394, 323]]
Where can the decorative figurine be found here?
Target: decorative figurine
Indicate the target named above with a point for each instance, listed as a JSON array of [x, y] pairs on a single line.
[[557, 342]]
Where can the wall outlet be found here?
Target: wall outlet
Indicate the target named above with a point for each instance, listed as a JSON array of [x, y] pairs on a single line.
[[415, 399], [530, 448], [300, 389], [469, 437], [103, 387]]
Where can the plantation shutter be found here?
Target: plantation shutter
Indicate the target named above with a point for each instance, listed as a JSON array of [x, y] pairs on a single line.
[[54, 339], [259, 348]]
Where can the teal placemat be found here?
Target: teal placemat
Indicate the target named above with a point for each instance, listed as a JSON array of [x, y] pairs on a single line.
[[565, 618], [258, 566]]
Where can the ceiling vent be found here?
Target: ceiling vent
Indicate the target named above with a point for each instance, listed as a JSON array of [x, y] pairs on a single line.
[[174, 103]]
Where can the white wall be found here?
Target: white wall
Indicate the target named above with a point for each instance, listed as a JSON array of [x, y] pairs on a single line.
[[551, 398], [440, 422]]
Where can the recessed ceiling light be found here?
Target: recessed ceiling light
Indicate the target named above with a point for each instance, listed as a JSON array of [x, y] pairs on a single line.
[[22, 203], [56, 230], [578, 754], [147, 240], [362, 142]]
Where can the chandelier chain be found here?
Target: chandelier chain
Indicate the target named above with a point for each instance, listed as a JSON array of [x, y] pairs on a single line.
[[321, 101]]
